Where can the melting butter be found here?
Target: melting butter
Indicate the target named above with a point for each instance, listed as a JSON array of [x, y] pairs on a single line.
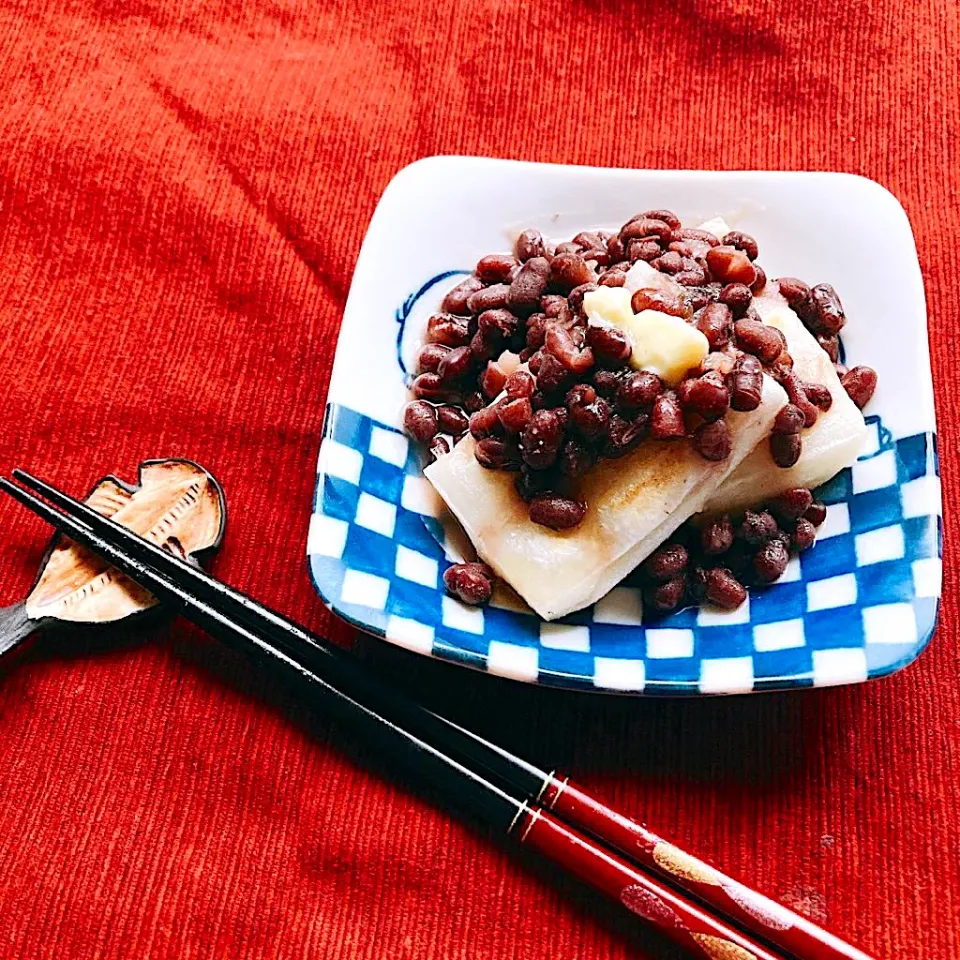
[[662, 344]]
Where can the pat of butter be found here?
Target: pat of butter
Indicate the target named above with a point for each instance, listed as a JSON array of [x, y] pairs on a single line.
[[609, 305], [662, 344], [665, 345]]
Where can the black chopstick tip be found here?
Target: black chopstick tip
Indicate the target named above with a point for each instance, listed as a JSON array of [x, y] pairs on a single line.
[[27, 478]]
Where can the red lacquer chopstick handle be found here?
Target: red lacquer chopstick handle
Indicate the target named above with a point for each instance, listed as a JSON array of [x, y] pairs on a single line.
[[668, 911], [774, 922]]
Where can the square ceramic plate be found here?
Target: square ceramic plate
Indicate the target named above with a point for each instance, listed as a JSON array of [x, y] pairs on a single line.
[[862, 603]]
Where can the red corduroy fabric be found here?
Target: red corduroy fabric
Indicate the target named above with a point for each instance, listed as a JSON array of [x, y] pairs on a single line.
[[183, 192]]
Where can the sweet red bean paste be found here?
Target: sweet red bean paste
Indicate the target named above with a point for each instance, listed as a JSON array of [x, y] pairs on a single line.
[[512, 358]]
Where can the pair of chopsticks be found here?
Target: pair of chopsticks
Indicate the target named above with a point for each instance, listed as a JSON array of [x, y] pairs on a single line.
[[685, 899]]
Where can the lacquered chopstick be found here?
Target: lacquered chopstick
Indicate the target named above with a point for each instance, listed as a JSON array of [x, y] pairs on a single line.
[[669, 911], [772, 922]]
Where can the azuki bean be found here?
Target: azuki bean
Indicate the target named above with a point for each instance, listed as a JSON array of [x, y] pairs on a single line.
[[706, 396], [730, 265], [420, 421], [638, 390], [469, 582], [716, 535], [569, 270], [763, 341], [536, 331], [719, 361], [737, 297], [515, 414], [495, 267], [641, 228], [589, 414], [643, 250], [575, 459], [485, 422], [492, 453], [429, 386], [615, 249], [612, 278], [489, 298], [691, 276], [798, 397], [520, 384], [667, 596], [667, 562], [492, 380], [788, 421], [456, 300], [541, 439], [792, 504], [715, 322], [667, 216], [794, 291], [437, 447], [705, 236], [782, 366], [724, 589], [530, 245], [670, 262], [606, 383], [528, 286], [560, 344], [819, 395], [742, 241], [555, 512], [450, 330], [830, 316], [816, 513], [483, 348], [552, 304], [803, 535], [648, 299], [712, 441], [761, 280], [610, 345], [429, 357], [785, 448], [666, 418], [576, 295], [770, 561], [746, 383], [453, 421], [455, 365], [497, 325], [757, 527], [552, 375], [624, 435], [860, 382]]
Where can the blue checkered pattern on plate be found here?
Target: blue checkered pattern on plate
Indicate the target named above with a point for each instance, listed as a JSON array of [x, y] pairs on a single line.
[[861, 603]]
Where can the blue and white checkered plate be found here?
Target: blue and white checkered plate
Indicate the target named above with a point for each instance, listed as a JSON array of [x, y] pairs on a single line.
[[861, 603]]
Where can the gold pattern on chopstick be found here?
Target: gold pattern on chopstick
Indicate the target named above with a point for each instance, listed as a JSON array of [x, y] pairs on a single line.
[[719, 949], [534, 817], [682, 865]]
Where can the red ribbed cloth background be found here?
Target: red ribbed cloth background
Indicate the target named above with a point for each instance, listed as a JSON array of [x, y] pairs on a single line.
[[184, 188]]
